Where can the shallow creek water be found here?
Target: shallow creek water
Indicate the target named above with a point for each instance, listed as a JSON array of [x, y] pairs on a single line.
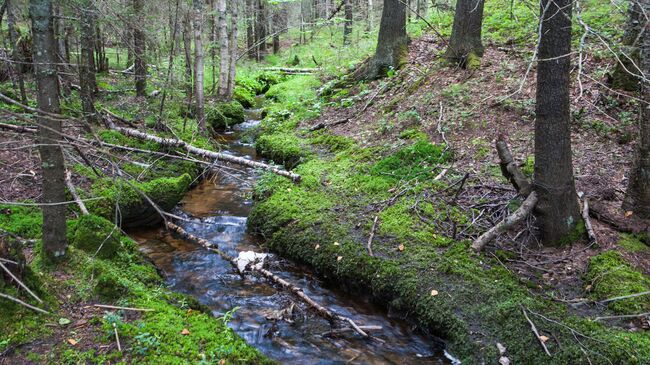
[[217, 210]]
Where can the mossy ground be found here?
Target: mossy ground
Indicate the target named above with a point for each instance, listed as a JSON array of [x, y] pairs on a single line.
[[473, 301], [177, 330]]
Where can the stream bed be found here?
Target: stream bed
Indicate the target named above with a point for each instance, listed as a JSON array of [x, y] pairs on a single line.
[[272, 320]]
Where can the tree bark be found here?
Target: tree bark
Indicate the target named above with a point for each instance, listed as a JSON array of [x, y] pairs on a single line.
[[187, 47], [557, 212], [224, 73], [16, 54], [53, 169], [250, 32], [198, 63], [627, 68], [87, 79], [139, 49], [261, 27], [637, 197], [347, 26], [465, 47], [232, 62], [392, 43]]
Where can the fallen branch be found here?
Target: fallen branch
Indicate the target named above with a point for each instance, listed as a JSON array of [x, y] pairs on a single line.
[[20, 283], [171, 142], [289, 70], [616, 219], [647, 314], [324, 312], [624, 297], [516, 217], [372, 235], [323, 125], [585, 216], [534, 329], [17, 128], [122, 308], [3, 295], [117, 338], [74, 194]]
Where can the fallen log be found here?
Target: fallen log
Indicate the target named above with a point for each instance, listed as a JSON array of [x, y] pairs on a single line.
[[614, 217], [588, 227], [321, 310], [516, 217], [323, 125], [17, 128], [171, 142], [292, 70]]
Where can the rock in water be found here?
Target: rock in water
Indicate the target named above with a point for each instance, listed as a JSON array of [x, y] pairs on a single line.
[[247, 258]]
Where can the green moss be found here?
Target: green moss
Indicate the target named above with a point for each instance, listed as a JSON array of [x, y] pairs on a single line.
[[133, 207], [633, 243], [96, 235], [24, 221], [529, 166], [332, 142], [611, 276], [472, 61], [282, 148], [412, 133], [416, 160], [244, 96]]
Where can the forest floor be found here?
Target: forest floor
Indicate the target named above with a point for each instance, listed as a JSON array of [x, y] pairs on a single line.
[[407, 160]]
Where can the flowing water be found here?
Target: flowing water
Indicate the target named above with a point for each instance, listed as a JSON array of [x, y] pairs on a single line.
[[272, 320]]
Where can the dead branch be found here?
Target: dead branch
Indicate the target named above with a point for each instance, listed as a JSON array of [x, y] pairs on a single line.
[[6, 296], [117, 338], [616, 219], [585, 216], [171, 142], [323, 125], [516, 217], [372, 235], [647, 314], [624, 297], [74, 194], [534, 329], [323, 311], [106, 306], [510, 169], [293, 71], [17, 128], [20, 283]]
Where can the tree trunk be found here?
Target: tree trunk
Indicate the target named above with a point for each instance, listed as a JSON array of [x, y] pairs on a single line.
[[87, 79], [198, 63], [557, 212], [224, 72], [261, 28], [276, 26], [347, 27], [187, 46], [213, 41], [139, 49], [54, 225], [465, 47], [15, 53], [232, 62], [392, 44], [637, 197], [371, 16], [626, 70], [250, 26]]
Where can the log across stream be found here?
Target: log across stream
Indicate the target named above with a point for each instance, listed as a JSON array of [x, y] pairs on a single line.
[[270, 319]]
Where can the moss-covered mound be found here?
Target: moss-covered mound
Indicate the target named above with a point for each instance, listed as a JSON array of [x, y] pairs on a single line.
[[281, 148], [96, 236], [223, 115], [129, 201], [470, 300], [610, 276]]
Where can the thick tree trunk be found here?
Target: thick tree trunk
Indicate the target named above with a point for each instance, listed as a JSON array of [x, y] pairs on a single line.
[[53, 169], [465, 47], [347, 26], [87, 79], [392, 44], [16, 54], [261, 27], [198, 63], [232, 61], [637, 198], [139, 50], [223, 51], [557, 212]]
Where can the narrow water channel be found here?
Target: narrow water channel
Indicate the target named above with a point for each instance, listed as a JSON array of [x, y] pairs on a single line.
[[271, 320]]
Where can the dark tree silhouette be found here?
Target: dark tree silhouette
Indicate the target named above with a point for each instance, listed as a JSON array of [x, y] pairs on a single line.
[[139, 50], [465, 47], [557, 211], [49, 131]]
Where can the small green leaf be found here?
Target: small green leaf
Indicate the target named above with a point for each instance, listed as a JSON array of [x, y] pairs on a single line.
[[64, 321]]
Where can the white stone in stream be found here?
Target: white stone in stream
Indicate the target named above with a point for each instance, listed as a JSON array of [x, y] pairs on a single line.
[[246, 258]]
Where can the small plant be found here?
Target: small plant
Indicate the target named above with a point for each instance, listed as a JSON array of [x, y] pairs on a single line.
[[144, 342], [227, 317]]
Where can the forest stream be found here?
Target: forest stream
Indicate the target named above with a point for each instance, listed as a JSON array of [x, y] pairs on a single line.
[[217, 210]]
